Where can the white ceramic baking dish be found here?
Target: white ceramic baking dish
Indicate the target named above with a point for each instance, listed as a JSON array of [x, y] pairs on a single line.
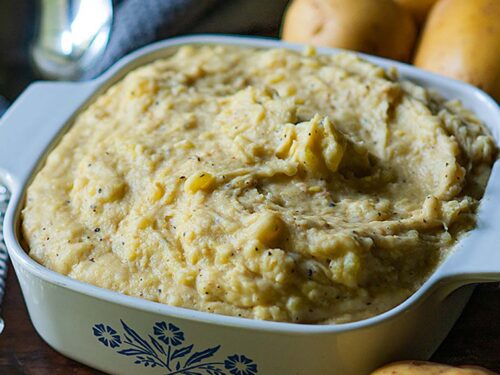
[[126, 335]]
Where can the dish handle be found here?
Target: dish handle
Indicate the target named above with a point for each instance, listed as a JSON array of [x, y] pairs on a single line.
[[477, 257], [32, 122]]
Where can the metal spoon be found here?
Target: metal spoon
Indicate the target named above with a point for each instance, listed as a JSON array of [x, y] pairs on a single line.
[[71, 35]]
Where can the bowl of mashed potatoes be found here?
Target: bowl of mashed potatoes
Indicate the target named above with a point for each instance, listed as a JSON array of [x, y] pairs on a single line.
[[220, 204]]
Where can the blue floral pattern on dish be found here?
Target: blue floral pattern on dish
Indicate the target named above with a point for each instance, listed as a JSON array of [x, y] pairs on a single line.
[[169, 335], [240, 365], [165, 349], [107, 335]]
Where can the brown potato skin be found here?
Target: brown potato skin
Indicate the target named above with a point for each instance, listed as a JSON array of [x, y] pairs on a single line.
[[428, 368], [461, 39], [418, 8], [379, 27]]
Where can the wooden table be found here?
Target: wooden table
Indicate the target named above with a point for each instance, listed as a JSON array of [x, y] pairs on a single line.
[[474, 340]]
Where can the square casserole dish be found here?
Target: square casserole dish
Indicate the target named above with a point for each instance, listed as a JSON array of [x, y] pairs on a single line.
[[127, 335]]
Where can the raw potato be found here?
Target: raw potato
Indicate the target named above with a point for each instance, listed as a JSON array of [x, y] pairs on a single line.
[[461, 40], [418, 8], [428, 368], [378, 27]]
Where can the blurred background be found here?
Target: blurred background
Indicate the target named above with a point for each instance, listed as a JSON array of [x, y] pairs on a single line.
[[79, 39], [29, 32]]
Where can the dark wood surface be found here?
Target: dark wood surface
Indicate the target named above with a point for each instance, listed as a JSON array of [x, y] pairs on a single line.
[[475, 339]]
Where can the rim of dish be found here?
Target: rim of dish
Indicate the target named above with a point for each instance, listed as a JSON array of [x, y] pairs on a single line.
[[118, 70]]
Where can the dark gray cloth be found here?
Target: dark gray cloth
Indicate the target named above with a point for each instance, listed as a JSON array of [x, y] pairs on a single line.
[[139, 22]]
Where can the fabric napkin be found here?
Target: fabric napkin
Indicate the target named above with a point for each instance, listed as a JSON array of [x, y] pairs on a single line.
[[4, 199]]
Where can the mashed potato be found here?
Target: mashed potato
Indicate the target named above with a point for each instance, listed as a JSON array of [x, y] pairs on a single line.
[[266, 184]]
